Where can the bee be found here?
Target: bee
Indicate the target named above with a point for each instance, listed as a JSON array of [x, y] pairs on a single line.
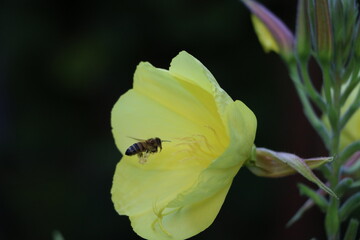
[[144, 148]]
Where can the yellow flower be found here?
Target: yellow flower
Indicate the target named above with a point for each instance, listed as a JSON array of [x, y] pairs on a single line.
[[179, 191], [351, 131]]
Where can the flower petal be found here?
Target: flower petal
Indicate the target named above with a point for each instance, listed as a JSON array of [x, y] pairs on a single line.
[[137, 188], [185, 223], [179, 192], [242, 127], [241, 123], [219, 175], [195, 198], [135, 115], [161, 105], [189, 69]]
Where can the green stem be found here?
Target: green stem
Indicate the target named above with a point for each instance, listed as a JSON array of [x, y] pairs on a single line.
[[333, 86], [327, 83], [308, 109], [332, 221], [330, 105], [312, 92]]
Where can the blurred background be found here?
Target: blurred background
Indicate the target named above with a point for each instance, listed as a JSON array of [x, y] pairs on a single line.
[[64, 65]]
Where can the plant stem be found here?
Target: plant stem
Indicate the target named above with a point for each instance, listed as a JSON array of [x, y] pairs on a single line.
[[332, 221], [314, 120], [314, 95]]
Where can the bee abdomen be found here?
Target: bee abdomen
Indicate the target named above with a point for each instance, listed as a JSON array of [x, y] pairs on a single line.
[[134, 149]]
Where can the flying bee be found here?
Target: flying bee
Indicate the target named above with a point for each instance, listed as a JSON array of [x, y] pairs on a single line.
[[144, 148]]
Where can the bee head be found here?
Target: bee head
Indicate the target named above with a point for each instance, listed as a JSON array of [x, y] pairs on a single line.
[[158, 142]]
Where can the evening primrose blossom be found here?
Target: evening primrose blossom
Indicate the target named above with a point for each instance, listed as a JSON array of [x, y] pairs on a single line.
[[179, 191]]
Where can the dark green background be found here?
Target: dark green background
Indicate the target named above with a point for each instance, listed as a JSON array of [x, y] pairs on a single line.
[[64, 65]]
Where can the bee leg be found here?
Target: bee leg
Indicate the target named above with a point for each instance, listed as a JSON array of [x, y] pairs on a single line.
[[143, 157]]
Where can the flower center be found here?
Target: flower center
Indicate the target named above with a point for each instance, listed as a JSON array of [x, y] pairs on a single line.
[[201, 149]]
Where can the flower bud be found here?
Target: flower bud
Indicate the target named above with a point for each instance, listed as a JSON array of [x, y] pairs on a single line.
[[267, 163], [272, 32], [303, 37], [324, 35]]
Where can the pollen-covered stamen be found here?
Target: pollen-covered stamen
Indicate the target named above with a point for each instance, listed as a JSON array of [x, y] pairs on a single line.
[[220, 141], [199, 148]]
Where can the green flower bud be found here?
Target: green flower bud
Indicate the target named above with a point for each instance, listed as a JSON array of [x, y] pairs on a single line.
[[303, 36], [323, 31], [268, 163]]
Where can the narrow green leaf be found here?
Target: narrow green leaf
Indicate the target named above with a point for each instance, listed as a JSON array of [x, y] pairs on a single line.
[[352, 229], [309, 110], [356, 184], [326, 171], [350, 111], [349, 206], [353, 167], [352, 82], [349, 151], [313, 195], [343, 186], [357, 40], [332, 221], [57, 235], [309, 86], [300, 212]]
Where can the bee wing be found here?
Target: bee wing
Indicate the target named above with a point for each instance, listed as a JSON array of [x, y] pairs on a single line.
[[138, 139]]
